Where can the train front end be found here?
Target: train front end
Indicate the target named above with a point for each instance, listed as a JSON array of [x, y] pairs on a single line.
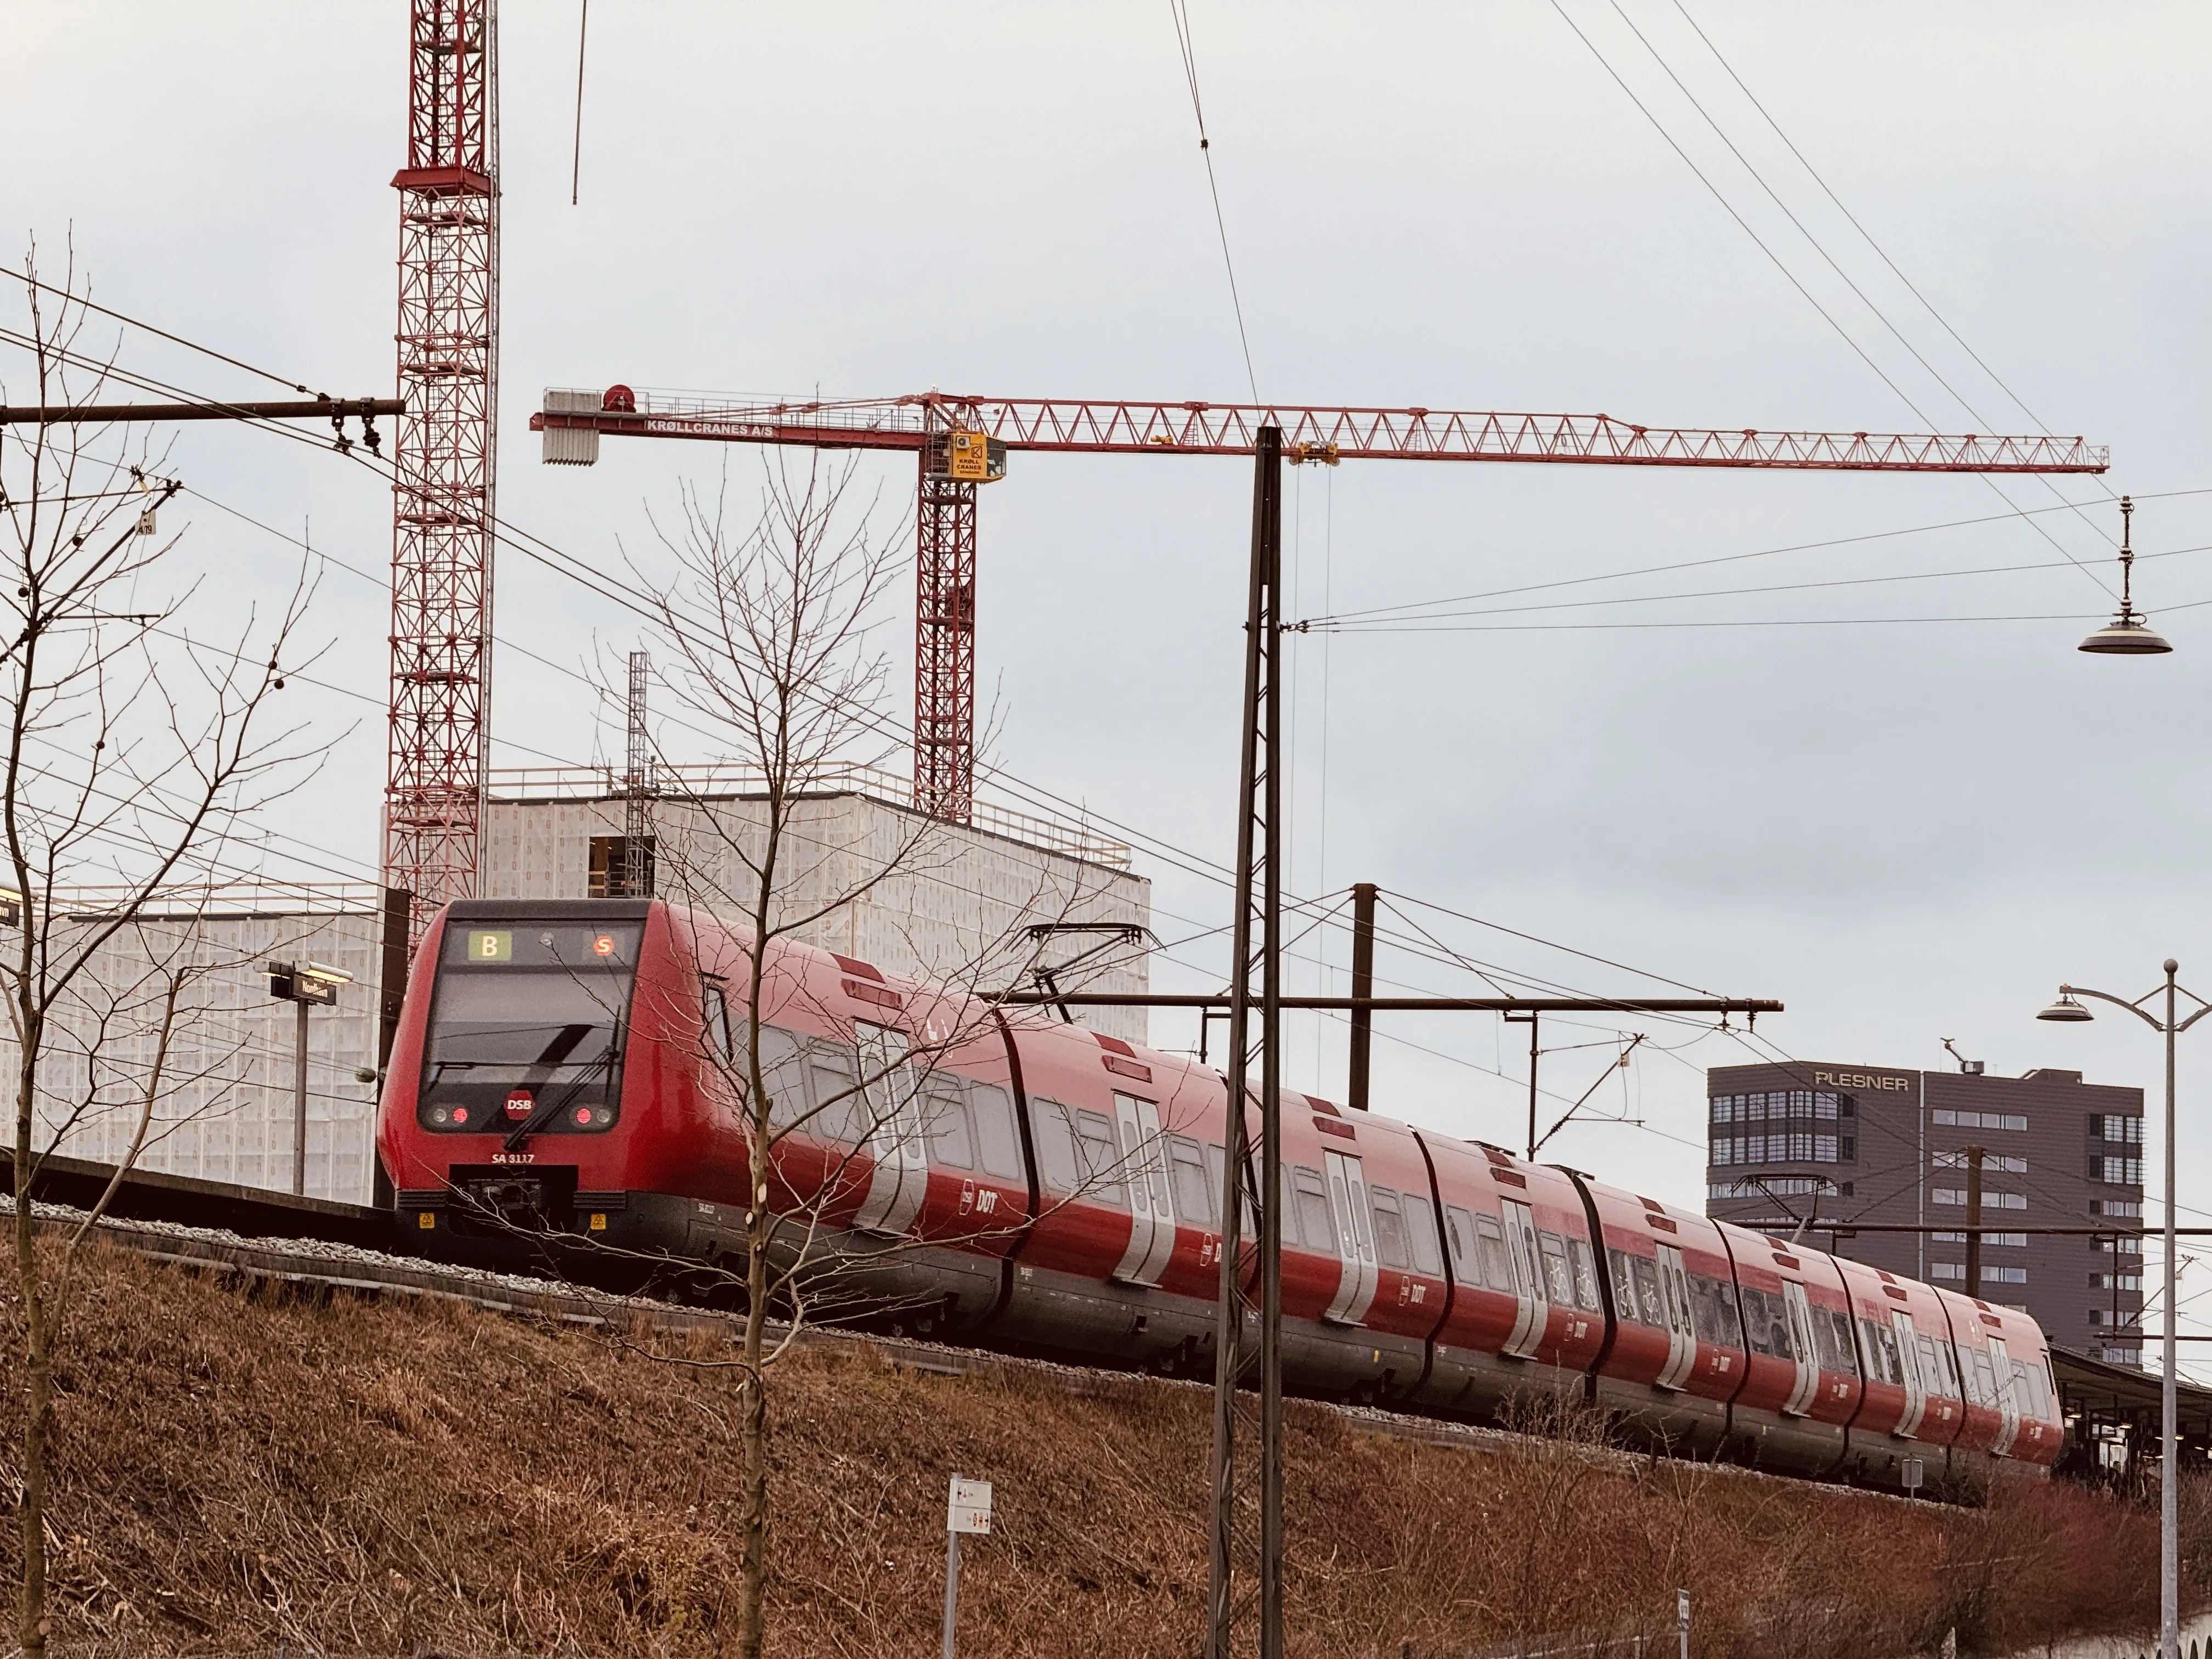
[[537, 1084]]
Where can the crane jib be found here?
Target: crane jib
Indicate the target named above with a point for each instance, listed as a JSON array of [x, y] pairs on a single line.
[[1324, 434]]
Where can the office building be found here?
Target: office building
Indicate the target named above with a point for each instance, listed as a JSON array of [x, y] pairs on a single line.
[[1838, 1151]]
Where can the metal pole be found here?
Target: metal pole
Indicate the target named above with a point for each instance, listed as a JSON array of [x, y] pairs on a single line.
[[1363, 985], [1532, 1087], [952, 1585], [1256, 946], [2169, 1484], [1974, 1156], [300, 1097]]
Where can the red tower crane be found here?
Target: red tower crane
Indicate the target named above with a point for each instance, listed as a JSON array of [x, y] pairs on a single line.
[[441, 529], [962, 443]]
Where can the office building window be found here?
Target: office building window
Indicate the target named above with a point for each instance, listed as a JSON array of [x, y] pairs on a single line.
[[2009, 1122], [1990, 1201], [2107, 1281], [1990, 1161], [2001, 1241], [2121, 1206], [2111, 1125], [2116, 1171]]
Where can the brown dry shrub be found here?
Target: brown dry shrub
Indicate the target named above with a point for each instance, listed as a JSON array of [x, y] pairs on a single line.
[[234, 1472]]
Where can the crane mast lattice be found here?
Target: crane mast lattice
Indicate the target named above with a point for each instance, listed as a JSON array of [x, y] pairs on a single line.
[[442, 497]]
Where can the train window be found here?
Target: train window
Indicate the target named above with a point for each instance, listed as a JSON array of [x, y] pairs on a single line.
[[1217, 1165], [1983, 1380], [996, 1141], [784, 1073], [1315, 1224], [718, 1024], [1102, 1162], [1055, 1147], [1390, 1228], [1459, 1234], [1831, 1341], [1767, 1323], [1195, 1202], [1585, 1266], [1558, 1279], [1646, 1272], [1489, 1245], [945, 1119], [1421, 1235], [840, 1113], [1624, 1301], [1935, 1375], [1894, 1359], [1712, 1311]]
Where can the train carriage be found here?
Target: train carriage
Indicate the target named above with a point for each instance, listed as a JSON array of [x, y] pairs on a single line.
[[563, 1080], [1677, 1358]]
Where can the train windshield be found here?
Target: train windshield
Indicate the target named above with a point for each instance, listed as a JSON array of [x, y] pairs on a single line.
[[519, 998]]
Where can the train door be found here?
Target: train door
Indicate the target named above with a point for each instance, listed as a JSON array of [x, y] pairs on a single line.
[[895, 1140], [1534, 1315], [2007, 1400], [1151, 1229], [1681, 1341], [1355, 1240], [1801, 1342], [1916, 1385]]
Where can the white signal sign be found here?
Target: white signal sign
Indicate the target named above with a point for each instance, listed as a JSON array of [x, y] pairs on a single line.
[[970, 1507]]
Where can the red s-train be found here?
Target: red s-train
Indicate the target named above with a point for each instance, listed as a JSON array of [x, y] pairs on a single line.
[[1058, 1191]]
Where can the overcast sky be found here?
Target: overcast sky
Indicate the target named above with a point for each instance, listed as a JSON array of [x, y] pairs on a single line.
[[1905, 830]]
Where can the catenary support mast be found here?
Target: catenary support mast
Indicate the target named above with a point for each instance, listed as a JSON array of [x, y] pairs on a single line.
[[442, 500], [1244, 1593]]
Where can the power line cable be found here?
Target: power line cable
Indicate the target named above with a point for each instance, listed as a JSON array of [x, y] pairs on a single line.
[[1790, 276], [75, 298], [1415, 606], [1179, 10]]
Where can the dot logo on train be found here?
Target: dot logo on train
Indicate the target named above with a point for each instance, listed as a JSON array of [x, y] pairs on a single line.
[[999, 1177]]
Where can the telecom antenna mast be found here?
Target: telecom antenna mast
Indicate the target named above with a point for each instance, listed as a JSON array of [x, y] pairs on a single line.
[[442, 501]]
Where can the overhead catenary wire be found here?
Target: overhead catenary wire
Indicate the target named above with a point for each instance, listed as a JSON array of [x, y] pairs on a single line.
[[1390, 625], [1179, 10], [1419, 607], [1792, 277]]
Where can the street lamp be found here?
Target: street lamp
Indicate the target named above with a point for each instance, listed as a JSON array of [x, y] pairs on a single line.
[[2127, 635], [2069, 1010], [304, 985]]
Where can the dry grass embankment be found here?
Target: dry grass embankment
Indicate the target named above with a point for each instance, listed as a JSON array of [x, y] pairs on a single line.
[[234, 1473]]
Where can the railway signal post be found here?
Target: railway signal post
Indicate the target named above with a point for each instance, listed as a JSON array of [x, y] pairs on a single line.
[[969, 1510]]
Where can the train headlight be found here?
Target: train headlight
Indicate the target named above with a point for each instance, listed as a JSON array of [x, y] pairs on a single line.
[[441, 1115]]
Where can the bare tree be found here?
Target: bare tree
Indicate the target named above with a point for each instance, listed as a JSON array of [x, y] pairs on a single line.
[[768, 630], [133, 745]]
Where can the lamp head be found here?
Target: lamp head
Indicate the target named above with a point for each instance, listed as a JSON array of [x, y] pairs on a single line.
[[2127, 635], [2066, 1010]]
